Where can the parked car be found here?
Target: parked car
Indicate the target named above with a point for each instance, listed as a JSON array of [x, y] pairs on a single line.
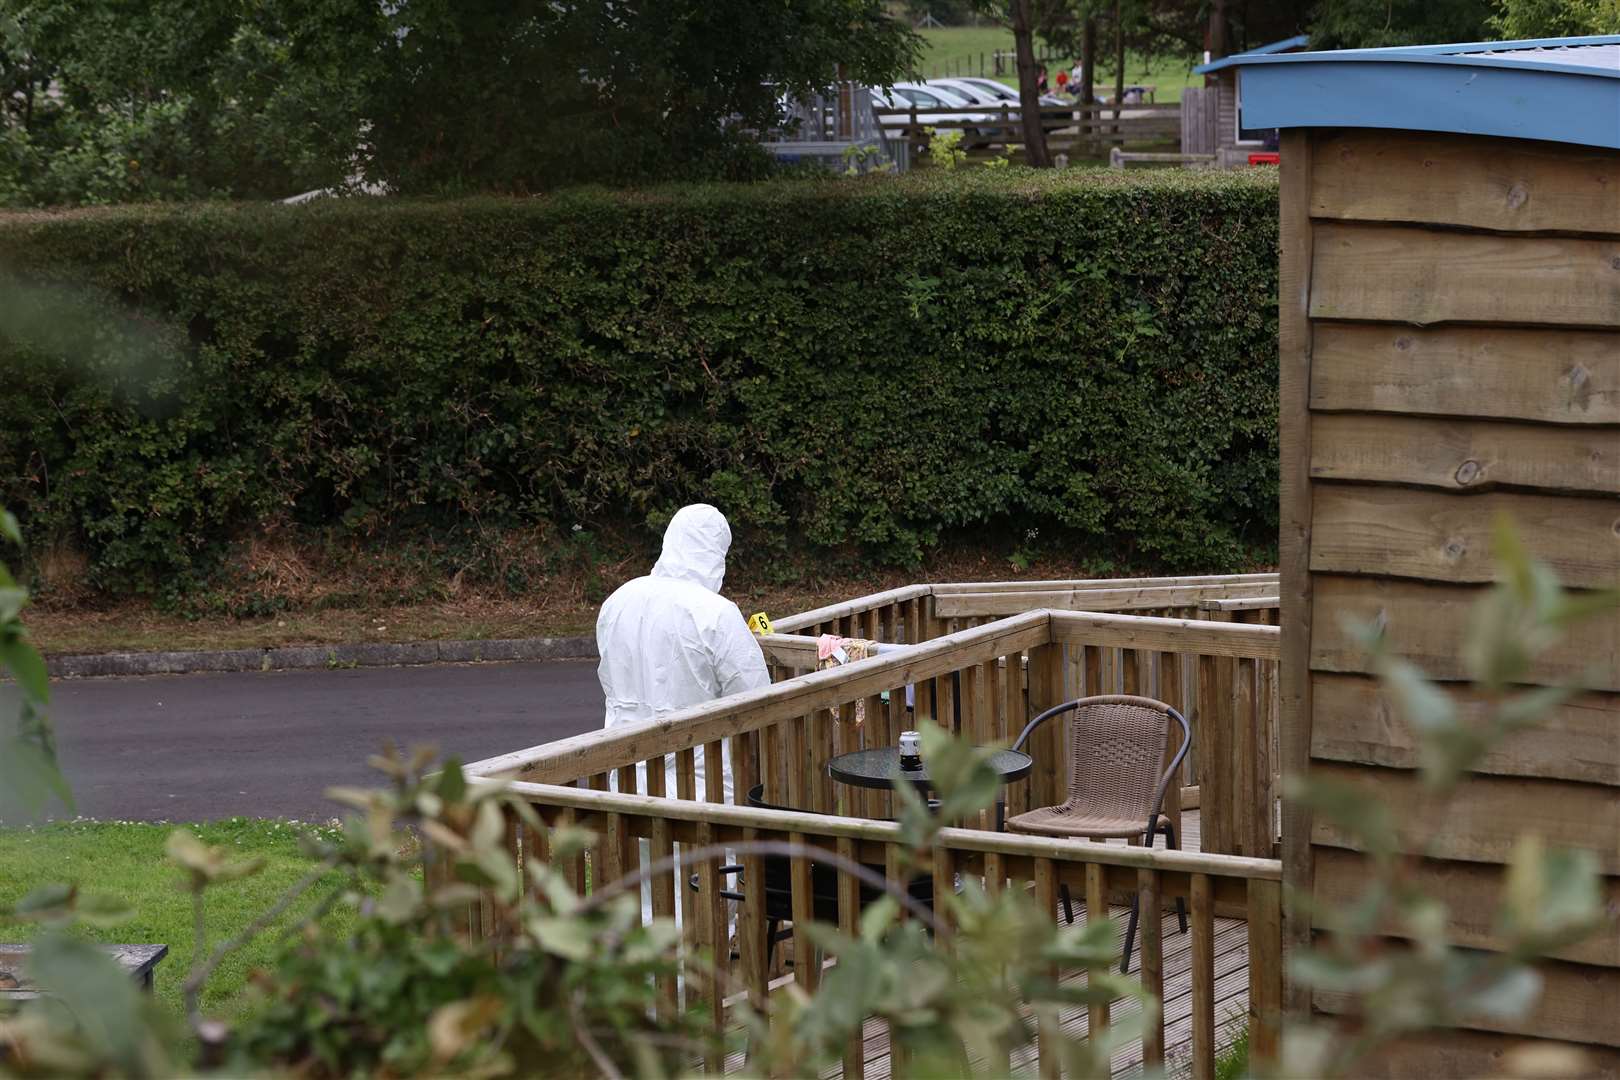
[[978, 95], [997, 95], [905, 95], [998, 91], [962, 88]]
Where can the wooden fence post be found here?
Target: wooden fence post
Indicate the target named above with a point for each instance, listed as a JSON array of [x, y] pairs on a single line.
[[1203, 978], [1049, 1030], [1150, 926], [1048, 745], [1265, 973]]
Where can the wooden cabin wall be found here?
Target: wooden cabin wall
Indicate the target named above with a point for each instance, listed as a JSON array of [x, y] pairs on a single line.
[[1450, 351], [1226, 110]]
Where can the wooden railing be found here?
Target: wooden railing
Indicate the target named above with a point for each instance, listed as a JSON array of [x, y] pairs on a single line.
[[1245, 686], [1227, 886], [889, 616], [984, 682]]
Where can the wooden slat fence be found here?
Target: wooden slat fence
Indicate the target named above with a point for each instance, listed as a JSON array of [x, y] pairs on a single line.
[[1088, 128]]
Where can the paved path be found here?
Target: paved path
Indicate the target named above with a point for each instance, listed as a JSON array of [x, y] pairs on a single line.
[[197, 747]]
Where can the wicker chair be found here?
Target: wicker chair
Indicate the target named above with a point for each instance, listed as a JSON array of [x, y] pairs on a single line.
[[1116, 781]]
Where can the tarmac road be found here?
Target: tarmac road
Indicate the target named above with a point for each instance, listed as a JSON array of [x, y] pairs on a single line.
[[200, 747]]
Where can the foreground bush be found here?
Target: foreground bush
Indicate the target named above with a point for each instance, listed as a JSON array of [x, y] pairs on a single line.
[[1085, 357], [560, 982]]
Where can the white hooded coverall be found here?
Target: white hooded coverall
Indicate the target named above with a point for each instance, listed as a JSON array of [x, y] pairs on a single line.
[[669, 641]]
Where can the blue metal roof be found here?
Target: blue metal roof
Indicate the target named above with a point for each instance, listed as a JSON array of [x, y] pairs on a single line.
[[1299, 41], [1556, 89]]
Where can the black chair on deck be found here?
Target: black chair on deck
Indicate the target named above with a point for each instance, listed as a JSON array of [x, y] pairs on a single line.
[[823, 887]]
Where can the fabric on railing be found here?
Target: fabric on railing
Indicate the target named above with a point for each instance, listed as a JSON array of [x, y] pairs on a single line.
[[833, 651]]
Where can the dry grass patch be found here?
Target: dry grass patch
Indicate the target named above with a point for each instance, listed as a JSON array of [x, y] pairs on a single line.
[[327, 612]]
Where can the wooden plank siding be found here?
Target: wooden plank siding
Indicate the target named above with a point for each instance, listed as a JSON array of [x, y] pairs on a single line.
[[1470, 890], [1226, 111], [1450, 347], [1465, 455], [1485, 816], [1577, 1004], [1428, 623], [1468, 1053], [1578, 741], [1400, 273], [1401, 532], [1518, 185], [1546, 375]]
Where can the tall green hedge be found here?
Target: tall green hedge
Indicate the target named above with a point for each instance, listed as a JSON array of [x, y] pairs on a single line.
[[868, 365]]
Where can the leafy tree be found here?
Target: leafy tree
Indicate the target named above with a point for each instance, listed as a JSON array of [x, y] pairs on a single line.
[[1517, 19], [112, 100], [115, 100], [1359, 24], [1142, 28], [1153, 29], [949, 12], [480, 94], [1029, 96], [1179, 29], [1251, 23]]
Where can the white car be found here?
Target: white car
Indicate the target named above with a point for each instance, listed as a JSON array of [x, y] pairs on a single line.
[[992, 92], [941, 105], [977, 95]]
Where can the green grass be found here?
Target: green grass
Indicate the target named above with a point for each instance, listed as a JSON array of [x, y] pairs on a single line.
[[957, 49], [126, 860], [1233, 1062]]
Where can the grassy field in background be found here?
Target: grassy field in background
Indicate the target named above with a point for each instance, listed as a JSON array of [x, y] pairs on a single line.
[[956, 49], [126, 860]]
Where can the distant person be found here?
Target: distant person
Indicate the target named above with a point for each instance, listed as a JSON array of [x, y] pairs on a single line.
[[1040, 83], [1063, 82], [669, 640]]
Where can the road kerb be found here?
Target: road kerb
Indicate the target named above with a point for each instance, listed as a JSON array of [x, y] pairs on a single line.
[[311, 657]]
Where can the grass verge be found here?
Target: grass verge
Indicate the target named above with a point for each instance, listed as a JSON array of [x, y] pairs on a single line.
[[126, 860]]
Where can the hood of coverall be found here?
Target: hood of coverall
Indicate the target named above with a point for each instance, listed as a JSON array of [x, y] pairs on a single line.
[[695, 546]]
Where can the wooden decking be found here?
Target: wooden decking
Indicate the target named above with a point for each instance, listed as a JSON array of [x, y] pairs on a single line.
[[1231, 994]]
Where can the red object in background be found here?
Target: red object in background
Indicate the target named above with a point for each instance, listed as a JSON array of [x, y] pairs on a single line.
[[1265, 159]]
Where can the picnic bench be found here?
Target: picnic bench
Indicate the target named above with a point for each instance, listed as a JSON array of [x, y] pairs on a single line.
[[139, 962]]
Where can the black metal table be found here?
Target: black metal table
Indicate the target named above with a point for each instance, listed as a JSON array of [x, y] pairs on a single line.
[[880, 768]]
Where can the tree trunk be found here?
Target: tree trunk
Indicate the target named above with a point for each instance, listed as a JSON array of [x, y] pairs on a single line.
[[1029, 96], [1119, 59], [1217, 29], [1088, 62]]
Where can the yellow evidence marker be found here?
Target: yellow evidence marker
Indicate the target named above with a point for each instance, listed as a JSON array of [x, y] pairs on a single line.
[[760, 623]]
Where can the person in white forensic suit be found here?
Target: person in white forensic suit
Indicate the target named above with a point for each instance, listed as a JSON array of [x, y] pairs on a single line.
[[669, 641]]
